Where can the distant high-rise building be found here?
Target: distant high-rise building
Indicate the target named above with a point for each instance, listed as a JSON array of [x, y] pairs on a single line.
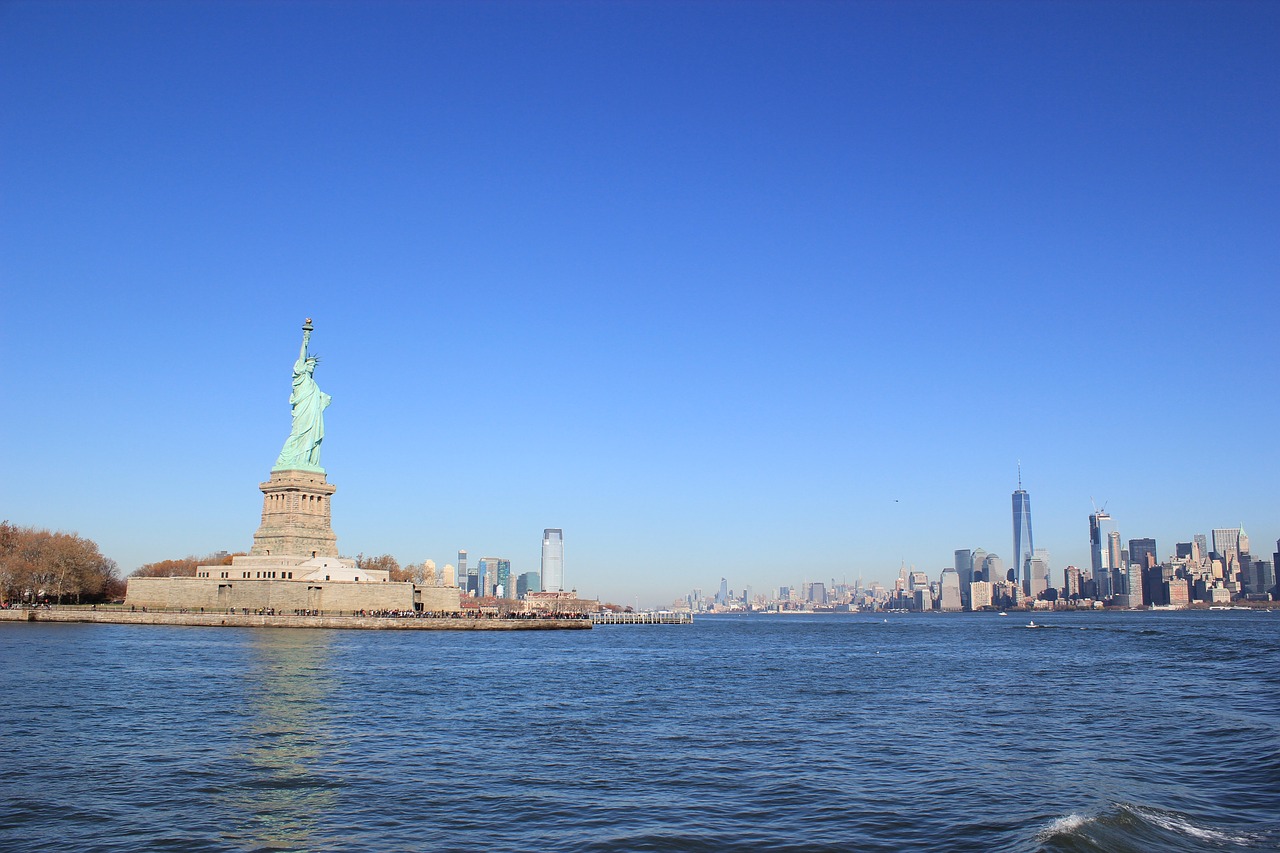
[[1257, 579], [1226, 542], [553, 560], [1114, 552], [1023, 544], [1143, 552], [1071, 587], [527, 583], [462, 568], [1242, 542], [993, 569], [1134, 585], [951, 590], [979, 558], [1275, 570], [1182, 551], [1202, 544], [964, 569], [495, 577], [722, 595], [1037, 574], [488, 572], [980, 594], [1099, 553]]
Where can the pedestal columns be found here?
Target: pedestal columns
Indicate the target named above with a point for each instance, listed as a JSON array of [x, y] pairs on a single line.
[[296, 516]]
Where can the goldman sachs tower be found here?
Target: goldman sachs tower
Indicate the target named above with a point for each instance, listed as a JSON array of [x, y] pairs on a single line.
[[1023, 545]]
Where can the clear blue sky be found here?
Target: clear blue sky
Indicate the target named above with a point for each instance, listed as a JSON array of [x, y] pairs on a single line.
[[768, 291]]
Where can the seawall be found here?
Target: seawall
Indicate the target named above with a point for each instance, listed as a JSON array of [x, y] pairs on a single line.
[[240, 620]]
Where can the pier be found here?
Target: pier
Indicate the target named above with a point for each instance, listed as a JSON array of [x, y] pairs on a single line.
[[649, 618]]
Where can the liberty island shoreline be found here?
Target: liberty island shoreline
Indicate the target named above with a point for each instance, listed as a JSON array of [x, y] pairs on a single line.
[[255, 620]]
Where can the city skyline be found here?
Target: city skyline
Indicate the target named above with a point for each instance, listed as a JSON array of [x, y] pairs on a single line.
[[707, 286]]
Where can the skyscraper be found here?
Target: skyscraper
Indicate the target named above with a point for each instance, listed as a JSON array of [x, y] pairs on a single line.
[[489, 575], [964, 571], [1037, 582], [527, 583], [1274, 589], [462, 568], [553, 560], [1099, 553], [979, 558], [1071, 582], [950, 590], [1116, 557], [506, 582], [1143, 552], [1226, 542], [1136, 597], [993, 569], [1023, 544]]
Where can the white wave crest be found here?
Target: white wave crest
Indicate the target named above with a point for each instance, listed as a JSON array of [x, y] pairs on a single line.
[[1063, 825], [1182, 826]]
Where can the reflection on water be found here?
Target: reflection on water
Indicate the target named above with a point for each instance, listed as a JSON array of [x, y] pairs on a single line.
[[284, 793], [840, 732]]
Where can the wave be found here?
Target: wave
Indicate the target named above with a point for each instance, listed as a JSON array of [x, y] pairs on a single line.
[[1130, 827]]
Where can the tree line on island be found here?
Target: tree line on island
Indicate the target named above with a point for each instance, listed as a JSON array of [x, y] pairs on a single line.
[[39, 565]]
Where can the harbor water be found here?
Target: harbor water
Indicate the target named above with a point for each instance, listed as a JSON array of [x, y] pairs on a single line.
[[1096, 732]]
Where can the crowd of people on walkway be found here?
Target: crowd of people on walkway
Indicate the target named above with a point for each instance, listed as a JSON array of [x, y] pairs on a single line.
[[469, 613]]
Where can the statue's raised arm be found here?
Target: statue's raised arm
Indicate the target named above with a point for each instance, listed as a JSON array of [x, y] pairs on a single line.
[[302, 448], [306, 339]]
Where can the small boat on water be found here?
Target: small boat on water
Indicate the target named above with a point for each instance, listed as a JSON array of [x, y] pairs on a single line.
[[1032, 624], [1002, 613]]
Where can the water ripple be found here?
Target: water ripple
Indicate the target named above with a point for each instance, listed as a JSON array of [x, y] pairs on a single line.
[[1111, 732]]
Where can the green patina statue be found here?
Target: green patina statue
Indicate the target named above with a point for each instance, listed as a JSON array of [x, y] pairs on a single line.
[[302, 449]]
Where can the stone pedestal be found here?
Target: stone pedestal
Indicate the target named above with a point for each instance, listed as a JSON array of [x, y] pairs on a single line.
[[296, 519]]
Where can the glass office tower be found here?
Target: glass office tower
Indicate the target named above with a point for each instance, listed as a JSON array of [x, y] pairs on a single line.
[[553, 560], [1099, 554], [1023, 545]]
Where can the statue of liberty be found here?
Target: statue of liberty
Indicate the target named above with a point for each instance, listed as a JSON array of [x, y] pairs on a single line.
[[302, 448]]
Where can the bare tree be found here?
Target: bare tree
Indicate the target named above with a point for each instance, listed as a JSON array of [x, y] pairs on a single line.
[[36, 563]]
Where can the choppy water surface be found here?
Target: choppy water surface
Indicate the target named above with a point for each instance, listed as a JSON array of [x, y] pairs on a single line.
[[1101, 732]]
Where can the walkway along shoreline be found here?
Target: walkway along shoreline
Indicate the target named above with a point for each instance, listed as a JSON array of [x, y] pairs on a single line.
[[240, 620]]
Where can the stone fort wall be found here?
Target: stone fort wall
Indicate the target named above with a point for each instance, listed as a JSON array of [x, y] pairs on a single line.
[[214, 594]]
